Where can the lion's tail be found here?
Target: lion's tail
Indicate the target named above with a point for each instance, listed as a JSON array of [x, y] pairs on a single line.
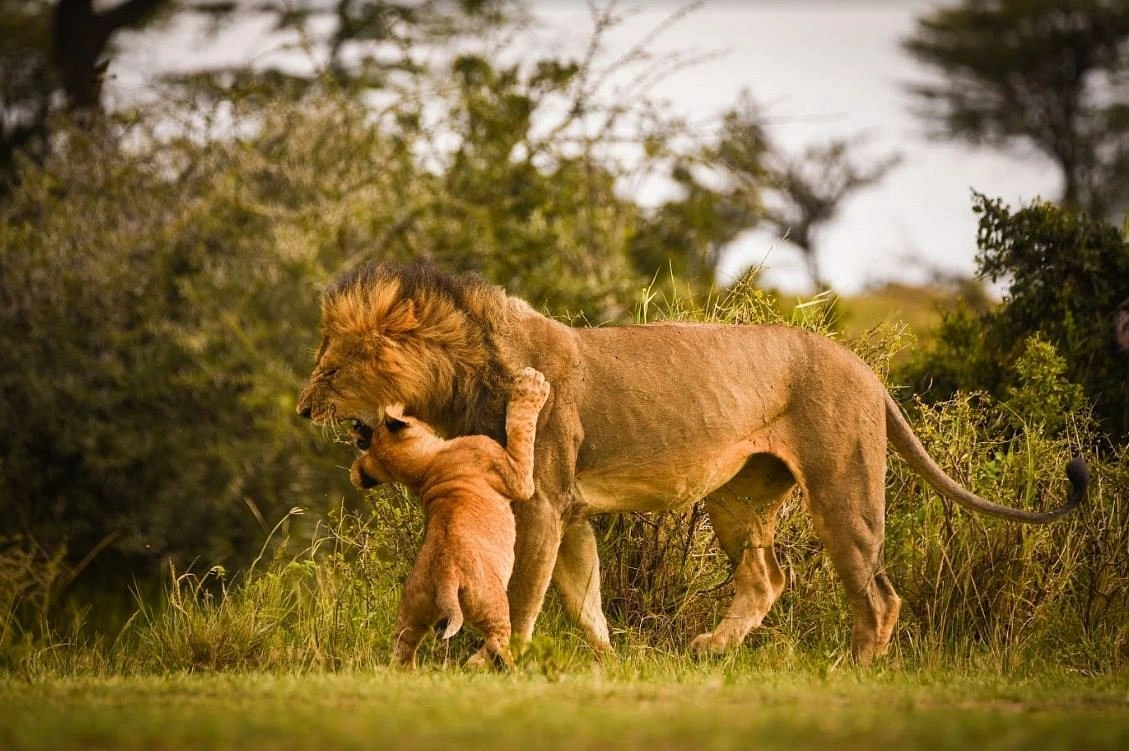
[[909, 446], [447, 598]]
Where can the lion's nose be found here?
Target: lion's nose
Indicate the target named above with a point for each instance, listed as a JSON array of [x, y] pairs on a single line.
[[305, 410]]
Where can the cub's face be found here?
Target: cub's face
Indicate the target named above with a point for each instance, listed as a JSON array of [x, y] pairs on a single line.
[[398, 449]]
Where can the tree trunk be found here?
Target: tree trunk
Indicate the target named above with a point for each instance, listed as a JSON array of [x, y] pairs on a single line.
[[81, 39]]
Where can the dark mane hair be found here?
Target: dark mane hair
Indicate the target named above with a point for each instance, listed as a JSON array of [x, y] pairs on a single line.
[[414, 277]]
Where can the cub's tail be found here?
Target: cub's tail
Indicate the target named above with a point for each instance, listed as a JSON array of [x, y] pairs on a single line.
[[909, 446], [447, 598]]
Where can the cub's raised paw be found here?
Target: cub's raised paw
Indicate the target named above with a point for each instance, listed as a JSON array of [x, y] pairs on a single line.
[[530, 389]]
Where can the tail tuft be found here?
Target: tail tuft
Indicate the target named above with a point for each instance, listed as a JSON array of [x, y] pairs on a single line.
[[1079, 475], [454, 623], [447, 598]]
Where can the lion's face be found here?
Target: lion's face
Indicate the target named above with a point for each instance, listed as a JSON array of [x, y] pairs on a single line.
[[413, 336], [342, 386], [362, 364]]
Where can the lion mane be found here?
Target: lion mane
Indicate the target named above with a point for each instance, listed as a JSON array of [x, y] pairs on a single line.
[[643, 418], [428, 336]]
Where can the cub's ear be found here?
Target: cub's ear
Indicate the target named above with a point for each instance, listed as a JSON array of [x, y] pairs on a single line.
[[400, 320], [394, 420]]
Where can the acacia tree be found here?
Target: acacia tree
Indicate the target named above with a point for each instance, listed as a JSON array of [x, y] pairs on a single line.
[[25, 79], [761, 184], [809, 190], [53, 56], [1048, 74], [81, 37]]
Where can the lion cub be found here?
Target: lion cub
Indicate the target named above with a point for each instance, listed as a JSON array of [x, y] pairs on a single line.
[[465, 486]]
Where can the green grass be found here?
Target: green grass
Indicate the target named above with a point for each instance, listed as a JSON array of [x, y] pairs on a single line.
[[662, 703], [1010, 637]]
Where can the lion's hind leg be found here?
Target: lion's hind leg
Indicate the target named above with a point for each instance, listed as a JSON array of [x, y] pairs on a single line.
[[743, 515], [848, 511]]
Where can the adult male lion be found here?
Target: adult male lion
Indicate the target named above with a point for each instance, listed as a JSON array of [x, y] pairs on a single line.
[[642, 418]]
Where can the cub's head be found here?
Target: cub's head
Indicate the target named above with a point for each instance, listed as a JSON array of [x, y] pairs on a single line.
[[398, 449]]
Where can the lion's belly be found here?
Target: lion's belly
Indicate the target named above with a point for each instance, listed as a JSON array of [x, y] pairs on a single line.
[[659, 485], [672, 412]]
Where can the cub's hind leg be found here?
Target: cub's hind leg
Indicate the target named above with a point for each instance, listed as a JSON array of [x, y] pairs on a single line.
[[743, 515]]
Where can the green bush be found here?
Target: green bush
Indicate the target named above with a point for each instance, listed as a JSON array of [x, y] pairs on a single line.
[[1066, 275], [153, 338], [159, 305]]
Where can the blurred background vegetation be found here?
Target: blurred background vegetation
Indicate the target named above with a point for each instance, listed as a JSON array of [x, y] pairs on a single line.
[[160, 268]]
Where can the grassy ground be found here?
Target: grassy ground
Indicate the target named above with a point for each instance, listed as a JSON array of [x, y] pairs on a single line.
[[626, 703]]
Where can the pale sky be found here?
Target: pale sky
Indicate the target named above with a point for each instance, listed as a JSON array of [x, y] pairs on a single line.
[[833, 68], [820, 69]]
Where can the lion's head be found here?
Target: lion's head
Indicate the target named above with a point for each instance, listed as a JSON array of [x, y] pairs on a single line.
[[410, 335]]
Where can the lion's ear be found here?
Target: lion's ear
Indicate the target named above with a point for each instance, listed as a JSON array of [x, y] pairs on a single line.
[[400, 319]]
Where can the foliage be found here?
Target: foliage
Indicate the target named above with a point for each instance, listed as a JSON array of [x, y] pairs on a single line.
[[1040, 73], [363, 43], [1066, 274], [55, 55], [142, 391], [159, 304], [328, 606]]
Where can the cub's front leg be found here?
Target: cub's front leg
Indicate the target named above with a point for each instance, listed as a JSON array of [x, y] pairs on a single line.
[[529, 394]]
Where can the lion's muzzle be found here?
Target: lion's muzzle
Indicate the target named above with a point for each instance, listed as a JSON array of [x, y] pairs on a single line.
[[306, 403]]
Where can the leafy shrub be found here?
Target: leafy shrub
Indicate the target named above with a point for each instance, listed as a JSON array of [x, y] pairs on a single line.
[[159, 306], [1066, 276]]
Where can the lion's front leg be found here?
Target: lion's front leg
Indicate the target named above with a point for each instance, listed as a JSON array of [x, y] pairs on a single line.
[[535, 555]]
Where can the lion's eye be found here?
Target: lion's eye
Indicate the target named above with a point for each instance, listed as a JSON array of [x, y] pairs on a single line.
[[329, 373]]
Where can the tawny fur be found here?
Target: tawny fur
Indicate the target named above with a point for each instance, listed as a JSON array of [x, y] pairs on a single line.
[[642, 418], [465, 486]]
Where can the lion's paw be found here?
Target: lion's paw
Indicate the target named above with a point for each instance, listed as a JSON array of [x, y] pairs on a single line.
[[711, 643], [530, 389], [480, 660]]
